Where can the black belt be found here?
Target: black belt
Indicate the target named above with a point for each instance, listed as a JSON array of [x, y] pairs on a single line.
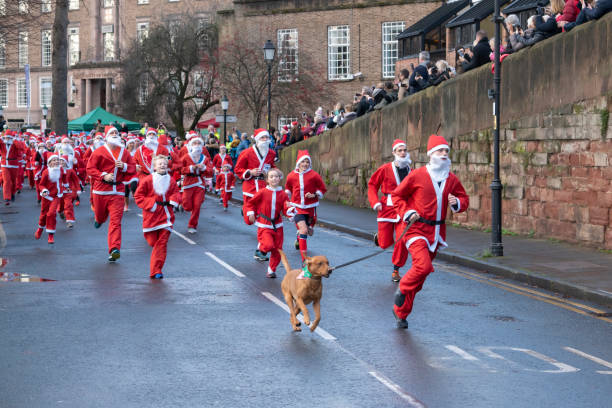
[[430, 222], [163, 203], [265, 217], [193, 175], [112, 183]]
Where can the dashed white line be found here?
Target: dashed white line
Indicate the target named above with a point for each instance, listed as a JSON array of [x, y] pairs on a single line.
[[178, 233], [321, 332], [338, 234], [397, 389], [225, 265], [592, 358]]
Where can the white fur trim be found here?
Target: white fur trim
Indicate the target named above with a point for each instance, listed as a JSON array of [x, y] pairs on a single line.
[[438, 147]]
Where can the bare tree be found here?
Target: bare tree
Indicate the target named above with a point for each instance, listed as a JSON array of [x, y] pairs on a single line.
[[59, 62], [294, 88], [171, 71]]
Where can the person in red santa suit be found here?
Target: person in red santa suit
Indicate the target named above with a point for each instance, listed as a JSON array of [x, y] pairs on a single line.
[[40, 164], [194, 166], [221, 158], [30, 163], [97, 143], [157, 194], [386, 179], [145, 153], [305, 188], [252, 166], [51, 190], [12, 152], [130, 146], [423, 197], [110, 168], [73, 189], [265, 209], [225, 182]]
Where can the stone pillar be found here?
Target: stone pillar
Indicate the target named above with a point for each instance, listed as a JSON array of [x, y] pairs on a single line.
[[88, 95], [83, 97], [108, 94]]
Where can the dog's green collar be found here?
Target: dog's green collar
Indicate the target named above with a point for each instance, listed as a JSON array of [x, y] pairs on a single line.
[[306, 272]]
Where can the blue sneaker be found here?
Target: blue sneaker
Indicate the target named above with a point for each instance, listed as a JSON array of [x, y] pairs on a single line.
[[157, 276], [260, 256], [114, 255], [97, 224]]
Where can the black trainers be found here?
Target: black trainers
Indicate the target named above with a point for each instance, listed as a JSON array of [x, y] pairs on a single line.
[[97, 224], [401, 323], [395, 276], [114, 255], [260, 256], [297, 245], [376, 239]]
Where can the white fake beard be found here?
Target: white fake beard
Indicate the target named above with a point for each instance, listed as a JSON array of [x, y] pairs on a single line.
[[54, 174], [8, 142], [402, 162], [67, 150], [161, 183], [439, 168], [98, 143], [263, 148], [195, 152], [151, 143], [114, 140]]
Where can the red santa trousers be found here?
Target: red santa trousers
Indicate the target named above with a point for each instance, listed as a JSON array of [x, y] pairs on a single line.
[[31, 178], [9, 186], [192, 201], [158, 239], [385, 240], [271, 241], [226, 196], [412, 282], [245, 201], [110, 205], [48, 214], [68, 200], [20, 177]]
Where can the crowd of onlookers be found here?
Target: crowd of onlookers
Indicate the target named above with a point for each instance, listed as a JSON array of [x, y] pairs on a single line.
[[559, 16]]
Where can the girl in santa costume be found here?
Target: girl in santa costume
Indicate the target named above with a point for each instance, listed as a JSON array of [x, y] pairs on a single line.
[[52, 185], [424, 197], [225, 182], [220, 158], [265, 209], [304, 187], [157, 195], [110, 168], [386, 179], [194, 166]]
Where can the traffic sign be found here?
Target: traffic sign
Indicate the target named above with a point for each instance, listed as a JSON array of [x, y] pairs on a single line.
[[230, 119]]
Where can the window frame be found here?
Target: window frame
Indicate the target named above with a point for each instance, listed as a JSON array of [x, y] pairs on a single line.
[[285, 121], [335, 76], [287, 74], [387, 45], [45, 6], [42, 49], [40, 91], [138, 30], [19, 80], [22, 46], [141, 2], [2, 53], [109, 50], [78, 45], [4, 104]]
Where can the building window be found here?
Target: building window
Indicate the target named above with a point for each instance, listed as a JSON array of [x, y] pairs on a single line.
[[4, 93], [22, 95], [108, 39], [338, 52], [2, 7], [23, 48], [172, 1], [108, 3], [73, 4], [73, 45], [2, 52], [143, 90], [45, 92], [389, 47], [143, 1], [285, 121], [142, 31], [24, 7], [287, 41], [203, 23], [46, 6], [46, 48]]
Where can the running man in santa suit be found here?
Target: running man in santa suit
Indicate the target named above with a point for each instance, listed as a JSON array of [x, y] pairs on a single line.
[[12, 152], [305, 188], [386, 179], [424, 196], [252, 166], [52, 185], [110, 168], [157, 194], [145, 153], [194, 166]]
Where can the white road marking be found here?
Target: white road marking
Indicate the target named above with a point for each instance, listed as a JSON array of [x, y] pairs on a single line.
[[179, 234], [562, 367], [592, 358], [397, 389], [321, 332], [462, 353], [225, 265], [339, 234]]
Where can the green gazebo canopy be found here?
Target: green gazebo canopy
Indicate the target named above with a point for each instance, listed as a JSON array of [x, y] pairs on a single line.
[[88, 121]]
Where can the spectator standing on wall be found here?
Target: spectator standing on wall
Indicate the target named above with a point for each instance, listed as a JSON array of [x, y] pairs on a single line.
[[349, 114], [403, 83], [481, 52], [588, 13], [420, 71]]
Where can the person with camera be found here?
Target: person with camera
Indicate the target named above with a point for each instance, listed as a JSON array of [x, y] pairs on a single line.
[[419, 79], [402, 83], [542, 25], [481, 52]]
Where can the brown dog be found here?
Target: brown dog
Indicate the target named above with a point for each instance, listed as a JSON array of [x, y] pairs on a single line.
[[300, 292]]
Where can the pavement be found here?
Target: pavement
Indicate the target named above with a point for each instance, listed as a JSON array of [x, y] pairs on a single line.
[[570, 270]]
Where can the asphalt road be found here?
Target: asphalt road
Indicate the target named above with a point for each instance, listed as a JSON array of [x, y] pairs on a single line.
[[214, 333]]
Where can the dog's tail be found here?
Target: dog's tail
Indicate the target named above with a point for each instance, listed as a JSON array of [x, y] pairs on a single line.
[[284, 260]]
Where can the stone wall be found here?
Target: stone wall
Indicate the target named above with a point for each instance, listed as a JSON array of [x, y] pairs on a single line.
[[555, 139]]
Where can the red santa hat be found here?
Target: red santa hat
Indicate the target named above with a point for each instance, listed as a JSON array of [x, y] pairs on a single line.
[[108, 129], [294, 123], [151, 130], [51, 157], [398, 143], [193, 139], [65, 140], [164, 140], [190, 134], [285, 129], [226, 163], [64, 158], [302, 155], [436, 143], [259, 133]]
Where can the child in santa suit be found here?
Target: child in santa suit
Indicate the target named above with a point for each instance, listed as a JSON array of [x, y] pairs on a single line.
[[157, 194], [225, 183], [110, 168], [73, 189], [12, 152], [265, 209], [424, 197], [219, 159], [194, 167], [304, 187], [386, 179], [52, 185]]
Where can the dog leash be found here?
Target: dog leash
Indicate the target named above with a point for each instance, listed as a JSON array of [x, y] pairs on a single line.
[[363, 258]]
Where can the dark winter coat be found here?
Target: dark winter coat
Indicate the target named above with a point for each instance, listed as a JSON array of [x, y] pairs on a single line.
[[481, 55]]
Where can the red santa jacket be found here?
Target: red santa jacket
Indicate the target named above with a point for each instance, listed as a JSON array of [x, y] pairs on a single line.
[[12, 155], [88, 154], [250, 159], [30, 158], [418, 192], [298, 184], [55, 189], [102, 162], [144, 158], [226, 181], [386, 179], [183, 151], [72, 182], [219, 160], [193, 176], [272, 203], [157, 211]]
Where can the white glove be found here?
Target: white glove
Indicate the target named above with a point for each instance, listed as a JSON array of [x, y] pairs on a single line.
[[377, 207]]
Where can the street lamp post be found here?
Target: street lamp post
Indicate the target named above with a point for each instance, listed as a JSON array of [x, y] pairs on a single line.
[[224, 106], [497, 248], [269, 52]]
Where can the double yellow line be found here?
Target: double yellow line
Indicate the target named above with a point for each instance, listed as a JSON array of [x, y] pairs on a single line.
[[531, 293]]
